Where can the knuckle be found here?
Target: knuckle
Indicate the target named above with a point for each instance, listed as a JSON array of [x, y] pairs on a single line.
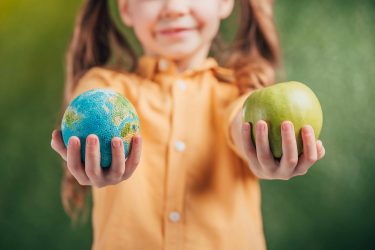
[[267, 171], [117, 150], [292, 162], [281, 174], [262, 157], [262, 140], [56, 147], [304, 172], [71, 167], [117, 180], [311, 158], [301, 172], [127, 176], [93, 173], [116, 153], [91, 152], [116, 173], [289, 139], [89, 171], [81, 182], [288, 136], [98, 184], [259, 175], [135, 162], [255, 171]]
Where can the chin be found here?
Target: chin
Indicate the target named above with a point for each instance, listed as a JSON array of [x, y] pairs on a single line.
[[179, 53], [178, 50], [176, 56]]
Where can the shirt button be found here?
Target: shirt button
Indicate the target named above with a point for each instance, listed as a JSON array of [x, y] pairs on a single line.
[[163, 65], [180, 146], [181, 85], [175, 216]]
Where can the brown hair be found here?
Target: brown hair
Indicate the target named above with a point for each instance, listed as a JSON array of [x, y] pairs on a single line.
[[255, 52], [253, 56], [95, 35]]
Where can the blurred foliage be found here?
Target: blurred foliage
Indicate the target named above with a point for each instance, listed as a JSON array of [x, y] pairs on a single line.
[[330, 45]]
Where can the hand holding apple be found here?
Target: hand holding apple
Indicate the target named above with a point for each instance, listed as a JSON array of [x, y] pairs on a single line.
[[265, 166], [285, 120]]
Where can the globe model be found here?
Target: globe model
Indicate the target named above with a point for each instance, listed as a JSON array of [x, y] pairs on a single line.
[[104, 113]]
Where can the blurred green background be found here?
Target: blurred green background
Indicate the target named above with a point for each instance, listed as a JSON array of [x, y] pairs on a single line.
[[329, 45]]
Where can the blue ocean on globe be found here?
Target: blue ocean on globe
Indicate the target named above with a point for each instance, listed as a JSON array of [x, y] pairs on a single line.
[[104, 113]]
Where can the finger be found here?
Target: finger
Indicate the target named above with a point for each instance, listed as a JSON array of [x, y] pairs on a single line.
[[57, 144], [289, 159], [134, 157], [310, 155], [117, 169], [248, 145], [320, 149], [74, 162], [246, 141], [92, 160], [264, 154]]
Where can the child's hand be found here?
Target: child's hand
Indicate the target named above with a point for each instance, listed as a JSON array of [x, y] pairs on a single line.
[[261, 160], [90, 172]]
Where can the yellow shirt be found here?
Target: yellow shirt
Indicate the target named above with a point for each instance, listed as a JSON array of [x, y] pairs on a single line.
[[191, 189]]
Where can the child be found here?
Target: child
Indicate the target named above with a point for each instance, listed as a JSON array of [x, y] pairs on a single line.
[[197, 182]]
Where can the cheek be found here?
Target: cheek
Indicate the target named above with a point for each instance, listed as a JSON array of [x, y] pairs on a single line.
[[144, 17], [144, 32], [208, 18]]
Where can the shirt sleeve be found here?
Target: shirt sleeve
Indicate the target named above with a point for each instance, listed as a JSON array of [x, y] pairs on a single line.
[[230, 113]]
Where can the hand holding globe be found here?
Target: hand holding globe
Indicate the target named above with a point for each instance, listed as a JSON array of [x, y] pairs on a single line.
[[99, 132]]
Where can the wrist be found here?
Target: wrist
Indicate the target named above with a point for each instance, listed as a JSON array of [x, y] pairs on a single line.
[[236, 135]]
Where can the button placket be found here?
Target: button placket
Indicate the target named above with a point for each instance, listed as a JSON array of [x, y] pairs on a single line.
[[174, 230]]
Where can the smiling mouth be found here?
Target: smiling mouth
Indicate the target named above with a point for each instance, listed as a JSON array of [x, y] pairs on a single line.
[[173, 31]]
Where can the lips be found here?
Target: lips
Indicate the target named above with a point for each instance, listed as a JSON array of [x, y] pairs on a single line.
[[170, 31]]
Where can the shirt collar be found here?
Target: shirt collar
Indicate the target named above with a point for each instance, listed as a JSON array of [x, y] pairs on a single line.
[[148, 67]]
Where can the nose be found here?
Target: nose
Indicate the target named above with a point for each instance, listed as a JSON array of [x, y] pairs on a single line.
[[174, 9]]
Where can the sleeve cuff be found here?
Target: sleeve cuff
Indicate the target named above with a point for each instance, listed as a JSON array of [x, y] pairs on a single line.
[[234, 108]]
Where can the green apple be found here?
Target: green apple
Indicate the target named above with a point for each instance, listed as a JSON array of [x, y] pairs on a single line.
[[289, 101]]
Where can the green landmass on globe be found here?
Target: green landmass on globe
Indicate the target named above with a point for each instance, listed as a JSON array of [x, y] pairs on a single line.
[[71, 116]]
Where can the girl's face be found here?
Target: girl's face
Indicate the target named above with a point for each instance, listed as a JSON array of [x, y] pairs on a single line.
[[176, 29]]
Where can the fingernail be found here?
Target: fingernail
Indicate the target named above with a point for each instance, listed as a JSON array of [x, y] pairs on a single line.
[[73, 142], [135, 140], [287, 126], [307, 130], [261, 127], [54, 134], [245, 127], [91, 140], [116, 143]]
